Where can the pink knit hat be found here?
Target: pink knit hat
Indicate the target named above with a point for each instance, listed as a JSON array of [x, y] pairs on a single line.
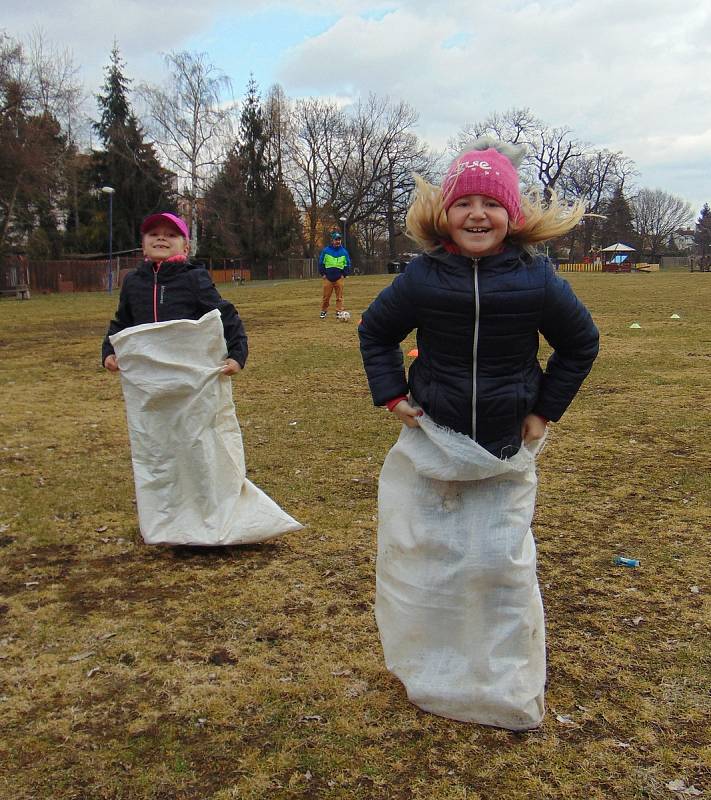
[[171, 219], [485, 172]]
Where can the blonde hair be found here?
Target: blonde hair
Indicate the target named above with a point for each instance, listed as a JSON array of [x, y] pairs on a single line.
[[426, 220]]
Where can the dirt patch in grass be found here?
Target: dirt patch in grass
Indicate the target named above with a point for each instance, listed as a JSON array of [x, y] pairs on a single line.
[[137, 673]]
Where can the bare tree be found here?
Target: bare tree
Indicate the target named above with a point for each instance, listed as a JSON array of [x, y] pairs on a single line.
[[657, 215], [57, 87], [373, 128], [550, 151], [517, 125], [380, 148], [554, 151], [593, 177], [190, 125], [315, 145], [355, 164], [59, 92], [405, 155], [38, 90]]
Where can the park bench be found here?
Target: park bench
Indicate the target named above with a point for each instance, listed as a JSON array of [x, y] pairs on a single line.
[[20, 292]]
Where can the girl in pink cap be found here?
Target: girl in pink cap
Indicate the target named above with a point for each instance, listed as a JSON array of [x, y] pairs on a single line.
[[168, 286], [457, 599]]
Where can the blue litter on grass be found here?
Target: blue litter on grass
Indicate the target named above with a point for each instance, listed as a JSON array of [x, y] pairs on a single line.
[[621, 561]]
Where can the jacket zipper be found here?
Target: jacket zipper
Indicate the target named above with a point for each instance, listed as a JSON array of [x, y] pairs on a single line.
[[155, 293], [475, 346]]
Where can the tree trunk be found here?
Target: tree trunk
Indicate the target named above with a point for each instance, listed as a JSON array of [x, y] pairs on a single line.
[[10, 209], [390, 215]]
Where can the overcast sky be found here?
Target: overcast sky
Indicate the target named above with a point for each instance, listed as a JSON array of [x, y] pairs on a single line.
[[629, 75]]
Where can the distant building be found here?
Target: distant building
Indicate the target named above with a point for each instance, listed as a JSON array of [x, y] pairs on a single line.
[[683, 238]]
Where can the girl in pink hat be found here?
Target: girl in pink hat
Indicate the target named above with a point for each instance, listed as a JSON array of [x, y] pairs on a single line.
[[168, 286], [457, 599]]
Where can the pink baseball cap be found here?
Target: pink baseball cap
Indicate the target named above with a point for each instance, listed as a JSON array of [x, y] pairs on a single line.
[[171, 219]]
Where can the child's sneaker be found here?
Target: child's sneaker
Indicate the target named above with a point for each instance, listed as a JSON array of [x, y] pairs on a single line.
[[323, 315]]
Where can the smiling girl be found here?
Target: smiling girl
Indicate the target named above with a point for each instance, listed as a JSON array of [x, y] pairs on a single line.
[[478, 297], [167, 286], [457, 599]]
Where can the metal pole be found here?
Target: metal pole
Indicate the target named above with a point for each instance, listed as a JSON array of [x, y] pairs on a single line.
[[111, 237], [109, 190], [343, 225]]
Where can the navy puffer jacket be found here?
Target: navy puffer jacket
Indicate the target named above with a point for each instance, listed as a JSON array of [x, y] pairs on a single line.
[[477, 324], [171, 290]]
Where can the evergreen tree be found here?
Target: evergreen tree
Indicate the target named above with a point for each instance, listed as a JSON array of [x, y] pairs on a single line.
[[249, 211], [225, 207], [702, 232], [114, 105], [127, 163], [253, 142], [618, 227]]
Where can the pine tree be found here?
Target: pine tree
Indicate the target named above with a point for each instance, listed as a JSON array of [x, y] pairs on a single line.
[[249, 211], [114, 105], [618, 227], [702, 232], [127, 163], [255, 174], [224, 213]]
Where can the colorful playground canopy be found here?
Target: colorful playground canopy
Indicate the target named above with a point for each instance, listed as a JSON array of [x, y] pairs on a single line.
[[618, 247]]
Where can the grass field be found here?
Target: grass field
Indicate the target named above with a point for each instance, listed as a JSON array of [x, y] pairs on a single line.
[[137, 673]]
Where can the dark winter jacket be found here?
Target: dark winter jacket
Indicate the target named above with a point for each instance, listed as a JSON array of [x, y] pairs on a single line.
[[477, 324], [174, 290]]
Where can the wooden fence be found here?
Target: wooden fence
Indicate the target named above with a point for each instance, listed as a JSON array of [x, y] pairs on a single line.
[[70, 276], [240, 269], [44, 277]]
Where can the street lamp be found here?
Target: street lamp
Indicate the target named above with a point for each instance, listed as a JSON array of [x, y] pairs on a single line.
[[109, 190], [343, 225]]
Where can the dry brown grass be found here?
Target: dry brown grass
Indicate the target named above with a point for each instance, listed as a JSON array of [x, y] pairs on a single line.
[[137, 673]]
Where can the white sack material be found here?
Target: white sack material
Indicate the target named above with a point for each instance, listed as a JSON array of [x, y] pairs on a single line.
[[186, 443], [457, 601]]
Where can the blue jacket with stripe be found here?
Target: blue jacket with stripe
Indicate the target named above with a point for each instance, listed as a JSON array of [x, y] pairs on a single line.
[[334, 263]]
